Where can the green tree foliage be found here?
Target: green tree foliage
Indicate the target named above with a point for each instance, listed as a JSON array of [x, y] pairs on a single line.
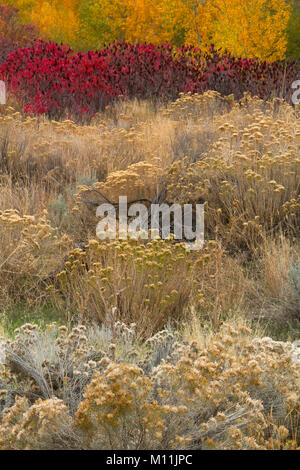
[[293, 48]]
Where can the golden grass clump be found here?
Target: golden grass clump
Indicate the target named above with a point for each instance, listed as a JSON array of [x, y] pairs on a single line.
[[147, 283], [29, 251], [139, 182]]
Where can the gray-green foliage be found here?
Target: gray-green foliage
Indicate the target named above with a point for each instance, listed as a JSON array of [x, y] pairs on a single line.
[[294, 279], [59, 211], [58, 361]]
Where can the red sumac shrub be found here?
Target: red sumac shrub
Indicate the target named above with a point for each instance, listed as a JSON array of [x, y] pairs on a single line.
[[235, 75], [150, 71], [48, 78], [52, 79]]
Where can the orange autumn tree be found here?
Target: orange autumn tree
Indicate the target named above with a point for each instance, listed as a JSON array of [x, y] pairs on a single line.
[[56, 19], [146, 22], [154, 21]]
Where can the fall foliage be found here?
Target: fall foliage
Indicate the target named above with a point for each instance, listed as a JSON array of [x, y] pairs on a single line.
[[149, 225], [57, 19], [14, 34], [252, 28], [52, 79]]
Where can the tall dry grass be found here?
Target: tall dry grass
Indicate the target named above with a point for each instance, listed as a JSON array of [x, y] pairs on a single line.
[[240, 159]]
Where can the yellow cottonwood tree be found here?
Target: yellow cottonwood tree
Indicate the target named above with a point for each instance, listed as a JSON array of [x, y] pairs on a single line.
[[145, 22], [248, 28], [57, 19], [251, 28], [104, 21], [192, 17]]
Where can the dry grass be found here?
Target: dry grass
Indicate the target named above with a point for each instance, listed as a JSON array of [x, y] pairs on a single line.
[[205, 381], [242, 160], [101, 277]]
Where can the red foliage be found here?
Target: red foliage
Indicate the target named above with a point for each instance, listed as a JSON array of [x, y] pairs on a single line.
[[48, 78], [14, 34], [148, 71], [234, 75]]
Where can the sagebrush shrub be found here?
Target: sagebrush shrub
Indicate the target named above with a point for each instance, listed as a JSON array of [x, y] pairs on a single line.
[[235, 393]]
